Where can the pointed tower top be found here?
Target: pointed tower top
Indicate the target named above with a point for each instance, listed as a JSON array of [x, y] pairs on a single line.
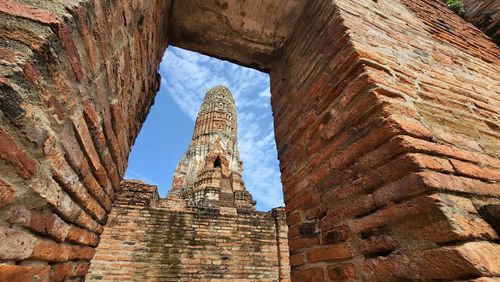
[[218, 99], [209, 174]]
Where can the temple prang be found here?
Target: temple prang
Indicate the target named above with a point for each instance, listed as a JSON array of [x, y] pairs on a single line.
[[210, 172]]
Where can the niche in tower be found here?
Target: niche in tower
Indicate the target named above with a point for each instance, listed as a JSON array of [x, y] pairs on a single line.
[[217, 162]]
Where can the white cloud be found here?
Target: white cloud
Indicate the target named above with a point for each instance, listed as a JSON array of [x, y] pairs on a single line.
[[187, 76]]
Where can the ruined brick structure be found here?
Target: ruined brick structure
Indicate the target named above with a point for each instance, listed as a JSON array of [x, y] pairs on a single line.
[[210, 173], [484, 14], [146, 240], [207, 228], [386, 122]]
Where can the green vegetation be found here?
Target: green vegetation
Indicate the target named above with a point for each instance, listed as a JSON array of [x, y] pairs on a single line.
[[457, 6]]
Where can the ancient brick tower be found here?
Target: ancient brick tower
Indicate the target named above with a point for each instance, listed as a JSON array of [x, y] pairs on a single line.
[[210, 172], [207, 228]]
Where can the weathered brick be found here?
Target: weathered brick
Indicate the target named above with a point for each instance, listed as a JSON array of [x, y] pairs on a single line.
[[68, 179], [302, 243], [257, 241], [81, 236], [297, 259], [337, 235], [72, 52], [341, 272], [27, 11], [24, 273], [329, 252], [376, 244], [47, 250], [87, 143], [360, 111], [470, 259], [16, 244], [293, 218], [362, 205], [472, 170], [44, 223], [8, 55], [314, 274], [17, 157], [7, 193], [60, 271]]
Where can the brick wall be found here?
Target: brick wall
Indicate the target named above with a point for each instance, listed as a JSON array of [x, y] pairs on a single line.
[[390, 170], [145, 241], [485, 15], [77, 79]]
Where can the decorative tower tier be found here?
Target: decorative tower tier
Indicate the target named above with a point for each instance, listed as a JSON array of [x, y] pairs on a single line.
[[209, 174]]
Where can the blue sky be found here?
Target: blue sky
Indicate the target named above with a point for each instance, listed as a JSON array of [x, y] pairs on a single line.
[[166, 134]]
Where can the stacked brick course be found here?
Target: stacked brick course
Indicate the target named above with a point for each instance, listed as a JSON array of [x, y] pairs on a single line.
[[394, 159], [77, 79], [485, 15]]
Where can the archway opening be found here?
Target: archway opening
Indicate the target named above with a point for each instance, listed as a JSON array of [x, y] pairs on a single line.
[[217, 162], [167, 132]]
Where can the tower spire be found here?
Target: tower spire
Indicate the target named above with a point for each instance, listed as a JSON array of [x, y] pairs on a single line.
[[209, 174]]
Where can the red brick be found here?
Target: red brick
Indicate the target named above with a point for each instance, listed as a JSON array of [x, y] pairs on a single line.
[[29, 12], [297, 259], [448, 263], [293, 218], [382, 217], [24, 273], [337, 234], [293, 231], [89, 43], [93, 119], [81, 269], [81, 236], [302, 243], [314, 274], [66, 177], [341, 272], [16, 244], [86, 140], [72, 52], [31, 73], [96, 190], [44, 223], [60, 271], [362, 205], [9, 151], [472, 170], [329, 252], [418, 183], [300, 201], [7, 194], [82, 253], [47, 250], [8, 55], [377, 244], [419, 145], [410, 126]]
